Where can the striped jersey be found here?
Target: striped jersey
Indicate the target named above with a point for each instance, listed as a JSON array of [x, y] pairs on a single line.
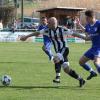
[[46, 39], [58, 37]]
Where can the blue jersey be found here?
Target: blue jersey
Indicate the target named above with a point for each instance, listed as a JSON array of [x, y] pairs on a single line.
[[47, 42], [42, 27], [94, 32], [46, 39]]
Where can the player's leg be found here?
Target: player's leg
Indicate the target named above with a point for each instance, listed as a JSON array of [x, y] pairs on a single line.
[[57, 62], [83, 62], [57, 71], [74, 74], [97, 63], [47, 49], [97, 60], [70, 71]]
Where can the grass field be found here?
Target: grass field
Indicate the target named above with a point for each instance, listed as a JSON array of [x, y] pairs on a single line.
[[32, 74]]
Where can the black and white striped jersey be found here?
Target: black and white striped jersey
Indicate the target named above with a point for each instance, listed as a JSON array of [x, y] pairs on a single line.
[[58, 37]]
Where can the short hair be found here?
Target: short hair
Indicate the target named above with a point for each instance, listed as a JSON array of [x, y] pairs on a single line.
[[89, 13]]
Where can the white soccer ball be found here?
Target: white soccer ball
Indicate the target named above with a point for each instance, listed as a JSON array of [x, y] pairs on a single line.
[[6, 80]]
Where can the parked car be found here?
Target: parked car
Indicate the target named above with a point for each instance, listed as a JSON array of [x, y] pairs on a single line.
[[28, 23]]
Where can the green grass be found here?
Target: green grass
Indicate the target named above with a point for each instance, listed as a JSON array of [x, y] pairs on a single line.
[[32, 74]]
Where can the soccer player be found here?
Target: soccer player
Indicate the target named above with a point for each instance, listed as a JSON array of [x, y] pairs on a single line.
[[57, 36], [92, 30], [46, 40]]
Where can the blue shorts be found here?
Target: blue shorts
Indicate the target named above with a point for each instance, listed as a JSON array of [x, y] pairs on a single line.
[[47, 42], [92, 53], [47, 45]]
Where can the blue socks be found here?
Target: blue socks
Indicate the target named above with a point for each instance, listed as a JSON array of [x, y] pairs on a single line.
[[87, 67]]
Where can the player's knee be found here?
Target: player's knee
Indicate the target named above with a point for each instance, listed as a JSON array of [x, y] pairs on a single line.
[[65, 65], [66, 68], [80, 62]]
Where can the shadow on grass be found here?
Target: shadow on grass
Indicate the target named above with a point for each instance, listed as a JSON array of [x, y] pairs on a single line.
[[20, 62], [9, 62], [52, 87], [43, 87]]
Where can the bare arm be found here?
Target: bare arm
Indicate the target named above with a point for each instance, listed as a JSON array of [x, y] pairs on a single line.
[[33, 34], [85, 36], [23, 38], [82, 27], [79, 24], [74, 33]]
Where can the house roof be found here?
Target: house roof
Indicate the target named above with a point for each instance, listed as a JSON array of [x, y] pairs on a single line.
[[62, 8]]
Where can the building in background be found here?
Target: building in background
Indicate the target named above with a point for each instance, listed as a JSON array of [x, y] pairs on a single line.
[[61, 13], [7, 11]]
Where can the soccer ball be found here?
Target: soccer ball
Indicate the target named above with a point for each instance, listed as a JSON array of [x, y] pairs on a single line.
[[6, 80]]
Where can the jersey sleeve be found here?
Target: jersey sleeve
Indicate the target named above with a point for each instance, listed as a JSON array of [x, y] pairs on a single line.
[[44, 32]]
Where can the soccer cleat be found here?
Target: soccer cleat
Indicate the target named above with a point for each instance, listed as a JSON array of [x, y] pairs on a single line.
[[91, 76], [81, 82], [56, 80]]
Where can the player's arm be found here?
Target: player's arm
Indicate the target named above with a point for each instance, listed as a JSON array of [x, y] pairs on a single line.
[[84, 36], [76, 34], [24, 37], [79, 24]]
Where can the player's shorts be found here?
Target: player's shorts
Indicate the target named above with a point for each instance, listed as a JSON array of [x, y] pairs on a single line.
[[47, 45], [47, 42], [92, 53]]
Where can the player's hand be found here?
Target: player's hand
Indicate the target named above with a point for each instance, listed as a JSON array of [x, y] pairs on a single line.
[[23, 38], [56, 59], [77, 20]]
